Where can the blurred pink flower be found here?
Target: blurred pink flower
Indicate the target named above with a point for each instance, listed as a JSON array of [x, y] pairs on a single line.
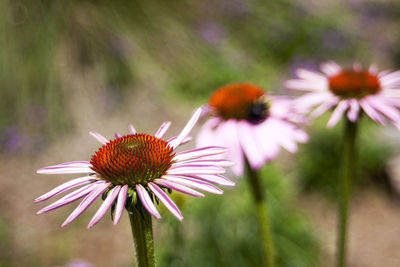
[[349, 91], [139, 167], [251, 124]]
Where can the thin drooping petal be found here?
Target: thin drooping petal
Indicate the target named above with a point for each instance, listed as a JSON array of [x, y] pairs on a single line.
[[64, 170], [215, 162], [184, 141], [352, 114], [231, 140], [311, 76], [216, 178], [166, 200], [178, 187], [337, 113], [250, 145], [86, 202], [104, 206], [117, 135], [120, 204], [99, 137], [132, 129], [193, 183], [385, 108], [65, 186], [324, 107], [196, 169], [188, 127], [71, 197], [162, 130], [302, 85], [146, 201], [200, 152], [371, 112]]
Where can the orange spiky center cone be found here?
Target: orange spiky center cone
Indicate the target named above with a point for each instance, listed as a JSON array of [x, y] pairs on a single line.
[[240, 101], [357, 84], [133, 159]]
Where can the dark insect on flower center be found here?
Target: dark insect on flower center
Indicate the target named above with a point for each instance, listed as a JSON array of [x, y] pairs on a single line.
[[240, 101], [133, 159], [351, 83]]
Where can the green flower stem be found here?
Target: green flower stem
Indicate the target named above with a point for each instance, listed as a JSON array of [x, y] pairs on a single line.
[[262, 211], [347, 175], [142, 231]]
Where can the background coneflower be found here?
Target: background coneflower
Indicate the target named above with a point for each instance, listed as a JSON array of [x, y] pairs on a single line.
[[350, 93], [254, 126]]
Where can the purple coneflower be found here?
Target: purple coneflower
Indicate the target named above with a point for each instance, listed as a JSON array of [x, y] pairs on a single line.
[[251, 124], [254, 126], [349, 91], [139, 165]]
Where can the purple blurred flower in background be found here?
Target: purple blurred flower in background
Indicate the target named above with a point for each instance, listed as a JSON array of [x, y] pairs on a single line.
[[251, 124], [349, 91], [139, 167]]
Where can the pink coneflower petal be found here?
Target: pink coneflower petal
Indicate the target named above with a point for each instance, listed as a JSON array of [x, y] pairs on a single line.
[[385, 108], [268, 139], [65, 186], [86, 202], [178, 187], [330, 68], [200, 152], [105, 206], [117, 135], [324, 107], [250, 145], [384, 77], [80, 163], [71, 197], [193, 183], [166, 200], [373, 69], [311, 76], [371, 112], [301, 136], [64, 170], [195, 169], [354, 110], [231, 140], [162, 130], [99, 137], [383, 73], [311, 99], [120, 204], [184, 141], [337, 113], [215, 162], [303, 85], [188, 127], [217, 179], [146, 201], [132, 129]]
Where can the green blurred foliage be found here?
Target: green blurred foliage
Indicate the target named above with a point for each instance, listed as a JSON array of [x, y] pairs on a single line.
[[319, 162], [223, 230]]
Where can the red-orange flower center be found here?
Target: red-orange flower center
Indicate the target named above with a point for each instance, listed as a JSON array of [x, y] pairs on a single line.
[[351, 83], [240, 101], [133, 159]]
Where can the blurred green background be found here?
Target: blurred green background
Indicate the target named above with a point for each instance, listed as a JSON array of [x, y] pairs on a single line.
[[68, 67]]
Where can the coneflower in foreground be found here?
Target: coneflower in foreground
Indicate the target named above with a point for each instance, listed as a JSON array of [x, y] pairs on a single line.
[[349, 92], [254, 126], [133, 172]]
